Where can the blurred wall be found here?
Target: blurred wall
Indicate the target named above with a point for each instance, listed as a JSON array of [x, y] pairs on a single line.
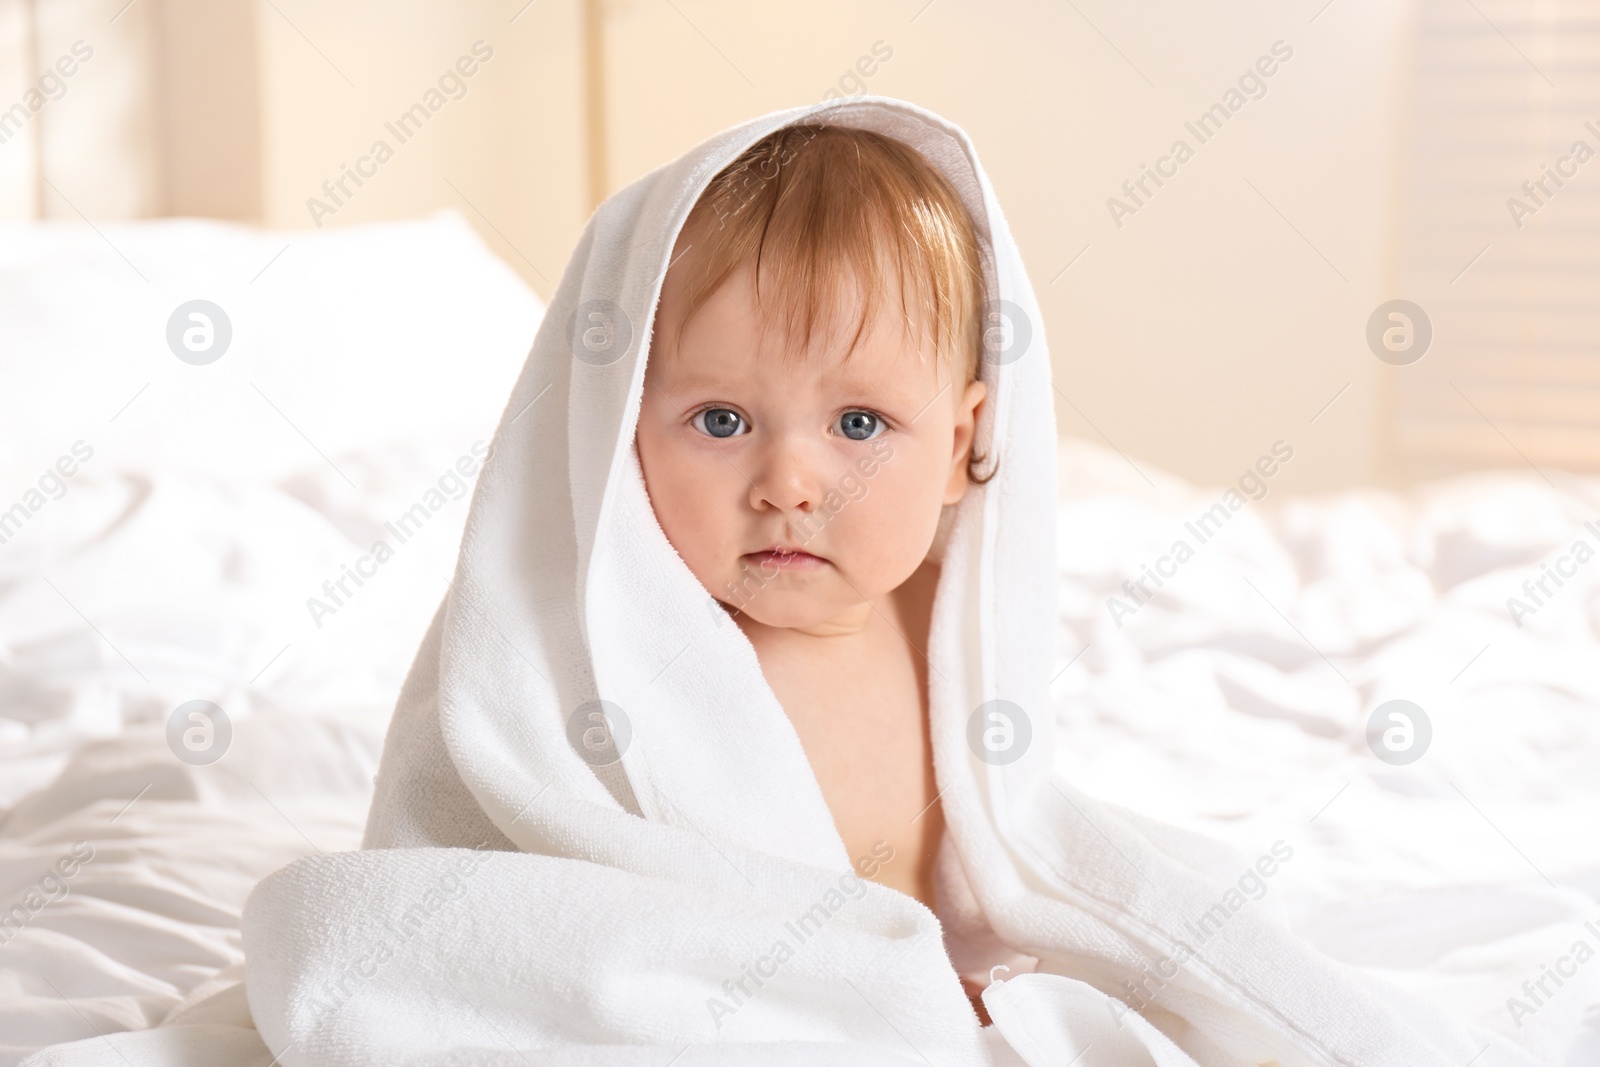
[[1230, 308], [1207, 318], [505, 145]]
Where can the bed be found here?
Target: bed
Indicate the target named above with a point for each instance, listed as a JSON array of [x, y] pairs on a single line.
[[202, 552]]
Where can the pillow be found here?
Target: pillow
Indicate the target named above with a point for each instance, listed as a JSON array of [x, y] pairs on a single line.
[[330, 342]]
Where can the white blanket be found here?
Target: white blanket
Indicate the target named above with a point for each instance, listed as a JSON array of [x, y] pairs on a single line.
[[515, 900]]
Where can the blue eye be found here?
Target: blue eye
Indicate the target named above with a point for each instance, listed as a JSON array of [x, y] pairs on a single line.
[[719, 422], [860, 425]]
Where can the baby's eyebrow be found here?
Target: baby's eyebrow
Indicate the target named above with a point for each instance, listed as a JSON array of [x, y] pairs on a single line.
[[707, 381]]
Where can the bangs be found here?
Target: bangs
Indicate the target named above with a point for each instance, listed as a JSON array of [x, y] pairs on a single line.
[[831, 217]]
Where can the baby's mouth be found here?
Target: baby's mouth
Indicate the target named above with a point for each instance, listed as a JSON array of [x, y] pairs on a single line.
[[790, 559]]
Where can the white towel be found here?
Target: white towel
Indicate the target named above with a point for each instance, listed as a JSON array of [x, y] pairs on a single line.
[[517, 902]]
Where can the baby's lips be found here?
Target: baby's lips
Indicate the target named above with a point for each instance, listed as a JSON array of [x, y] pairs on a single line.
[[771, 562], [782, 551]]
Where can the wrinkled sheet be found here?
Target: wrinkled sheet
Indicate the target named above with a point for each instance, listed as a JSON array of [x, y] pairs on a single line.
[[1206, 708], [176, 563]]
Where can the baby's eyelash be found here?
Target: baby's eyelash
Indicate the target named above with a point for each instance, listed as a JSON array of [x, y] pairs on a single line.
[[713, 406], [880, 416], [877, 415]]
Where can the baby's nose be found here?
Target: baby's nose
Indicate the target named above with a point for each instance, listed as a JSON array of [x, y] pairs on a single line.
[[790, 477]]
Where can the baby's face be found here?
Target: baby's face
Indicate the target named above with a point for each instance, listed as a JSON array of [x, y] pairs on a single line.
[[849, 462]]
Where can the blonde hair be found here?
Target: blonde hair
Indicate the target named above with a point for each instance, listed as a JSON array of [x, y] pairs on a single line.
[[828, 214]]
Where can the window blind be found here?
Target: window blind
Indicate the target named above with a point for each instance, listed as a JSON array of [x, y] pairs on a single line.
[[1499, 237]]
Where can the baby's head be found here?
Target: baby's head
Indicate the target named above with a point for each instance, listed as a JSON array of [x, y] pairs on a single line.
[[812, 382]]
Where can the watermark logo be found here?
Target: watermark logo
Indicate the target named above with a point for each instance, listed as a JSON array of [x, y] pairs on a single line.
[[1399, 732], [52, 86], [719, 612], [53, 886], [453, 484], [52, 485], [451, 85], [199, 732], [1007, 332], [600, 331], [754, 975], [1250, 886], [999, 732], [199, 332], [1251, 85], [852, 487], [853, 82], [1538, 192], [1399, 332], [1252, 485], [736, 193], [599, 731], [1565, 566], [1536, 992], [448, 887]]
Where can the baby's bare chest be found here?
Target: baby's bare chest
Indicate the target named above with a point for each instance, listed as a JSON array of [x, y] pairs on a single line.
[[864, 727]]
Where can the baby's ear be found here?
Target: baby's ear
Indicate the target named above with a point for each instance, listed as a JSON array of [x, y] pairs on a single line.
[[980, 389], [968, 409]]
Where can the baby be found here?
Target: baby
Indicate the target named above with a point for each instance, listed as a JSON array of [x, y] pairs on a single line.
[[810, 404]]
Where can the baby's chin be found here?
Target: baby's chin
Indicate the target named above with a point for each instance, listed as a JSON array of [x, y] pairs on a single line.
[[795, 609]]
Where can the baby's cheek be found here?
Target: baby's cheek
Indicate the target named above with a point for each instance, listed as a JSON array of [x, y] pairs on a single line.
[[892, 525], [673, 497], [911, 484]]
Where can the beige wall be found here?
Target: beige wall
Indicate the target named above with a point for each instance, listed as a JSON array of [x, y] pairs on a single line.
[[508, 153], [1204, 328], [1219, 318]]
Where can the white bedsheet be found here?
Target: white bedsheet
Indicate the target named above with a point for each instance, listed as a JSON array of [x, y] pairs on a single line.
[[1234, 702], [1206, 708], [177, 565]]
